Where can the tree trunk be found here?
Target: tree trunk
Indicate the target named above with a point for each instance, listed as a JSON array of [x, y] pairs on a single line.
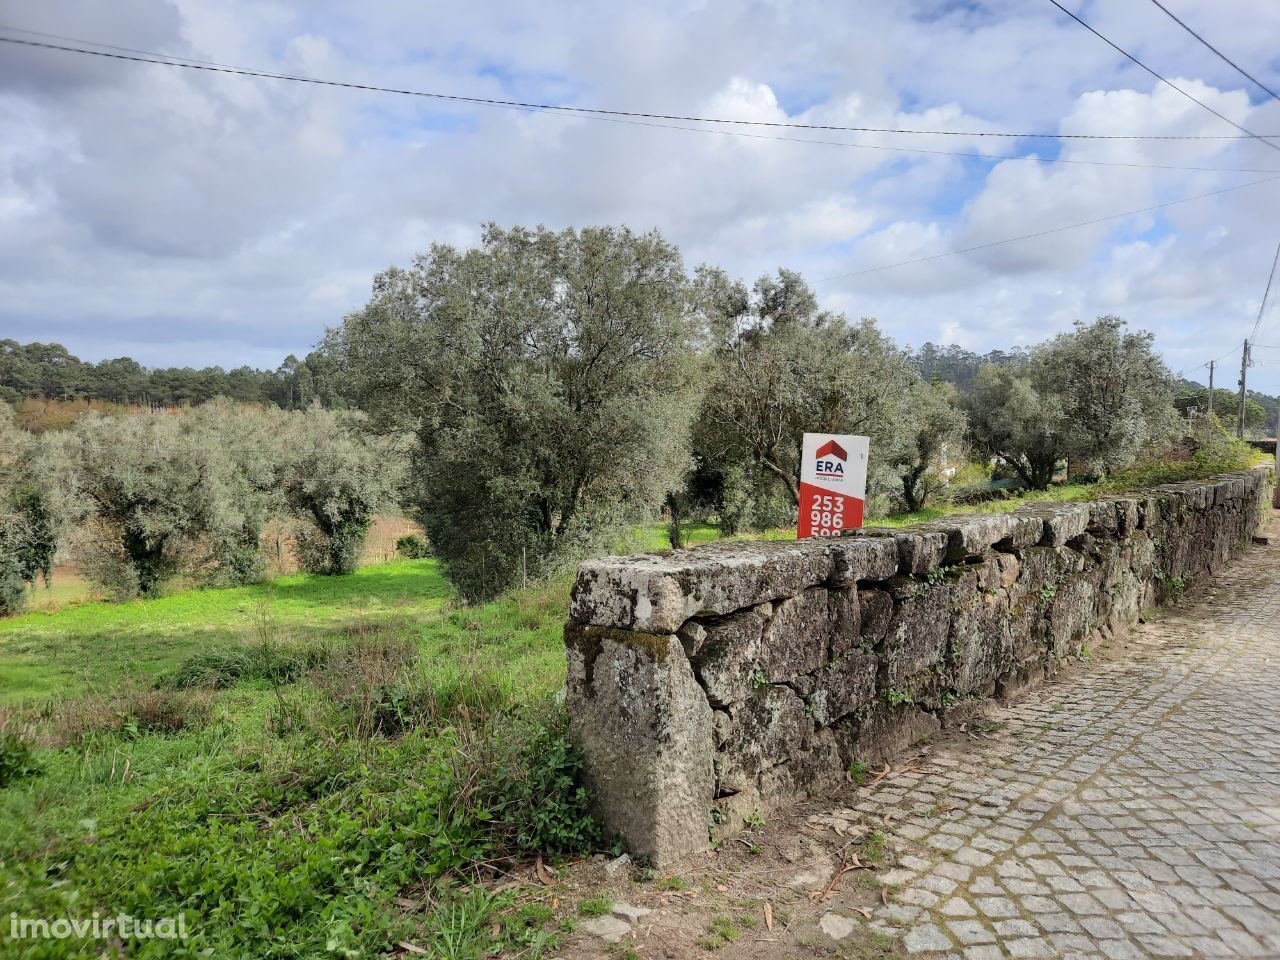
[[674, 532], [786, 478], [910, 499]]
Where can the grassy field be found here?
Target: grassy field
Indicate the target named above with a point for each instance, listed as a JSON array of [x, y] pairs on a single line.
[[309, 767]]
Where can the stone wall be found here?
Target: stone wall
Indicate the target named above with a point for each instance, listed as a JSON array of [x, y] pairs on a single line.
[[708, 685]]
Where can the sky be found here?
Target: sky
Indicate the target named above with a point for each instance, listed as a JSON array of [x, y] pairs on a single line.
[[189, 218]]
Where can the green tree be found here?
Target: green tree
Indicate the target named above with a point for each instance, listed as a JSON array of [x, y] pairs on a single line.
[[1095, 396], [159, 497], [781, 367], [335, 476], [1115, 391], [1226, 406], [32, 507], [547, 378], [933, 427], [1014, 422]]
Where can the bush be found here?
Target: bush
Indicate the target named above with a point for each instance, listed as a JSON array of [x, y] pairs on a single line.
[[411, 547], [1216, 453], [16, 759], [534, 793]]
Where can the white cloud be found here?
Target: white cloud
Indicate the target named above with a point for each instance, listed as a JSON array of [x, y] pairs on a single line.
[[191, 218]]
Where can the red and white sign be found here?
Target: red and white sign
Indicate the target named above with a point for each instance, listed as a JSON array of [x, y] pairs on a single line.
[[833, 483]]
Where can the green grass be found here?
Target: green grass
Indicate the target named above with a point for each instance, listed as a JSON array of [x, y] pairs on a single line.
[[90, 644], [288, 812], [1065, 493]]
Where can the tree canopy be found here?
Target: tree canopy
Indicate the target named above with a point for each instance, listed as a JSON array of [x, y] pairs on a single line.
[[548, 379]]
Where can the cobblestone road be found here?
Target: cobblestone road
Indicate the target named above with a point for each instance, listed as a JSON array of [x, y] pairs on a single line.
[[1133, 811]]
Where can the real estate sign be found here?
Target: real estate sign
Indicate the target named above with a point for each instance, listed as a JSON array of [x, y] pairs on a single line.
[[833, 483]]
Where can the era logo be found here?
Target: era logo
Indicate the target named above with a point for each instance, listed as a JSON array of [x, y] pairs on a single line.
[[835, 466]]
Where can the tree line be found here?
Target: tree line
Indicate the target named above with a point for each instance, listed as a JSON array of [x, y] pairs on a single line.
[[530, 399], [558, 385], [49, 371]]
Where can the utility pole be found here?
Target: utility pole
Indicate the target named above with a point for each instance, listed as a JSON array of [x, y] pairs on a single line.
[[1211, 363], [1244, 365]]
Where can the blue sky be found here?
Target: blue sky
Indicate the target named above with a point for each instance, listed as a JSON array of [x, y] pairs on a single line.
[[188, 218]]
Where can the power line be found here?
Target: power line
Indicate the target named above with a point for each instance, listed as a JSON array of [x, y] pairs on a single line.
[[1248, 345], [989, 158], [1043, 233], [1181, 373], [1161, 78], [1266, 293], [593, 112], [1222, 56]]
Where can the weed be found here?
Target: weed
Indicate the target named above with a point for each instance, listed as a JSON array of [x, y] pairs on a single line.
[[272, 662], [1047, 592], [874, 847], [16, 759], [674, 884], [755, 819], [723, 928], [759, 678], [858, 771], [458, 929], [133, 711], [899, 695], [595, 907]]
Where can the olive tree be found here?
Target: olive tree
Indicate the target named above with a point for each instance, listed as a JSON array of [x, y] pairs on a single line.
[[159, 499], [547, 380], [255, 442], [781, 367], [1116, 392], [1095, 396], [32, 510], [334, 477], [1017, 424], [933, 427]]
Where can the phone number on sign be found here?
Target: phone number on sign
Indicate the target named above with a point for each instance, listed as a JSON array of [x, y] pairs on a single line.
[[826, 514]]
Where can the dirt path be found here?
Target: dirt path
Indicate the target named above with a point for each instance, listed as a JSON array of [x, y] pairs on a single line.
[[1129, 809]]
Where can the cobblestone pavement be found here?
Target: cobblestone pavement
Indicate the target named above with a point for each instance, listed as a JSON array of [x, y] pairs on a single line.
[[1133, 811]]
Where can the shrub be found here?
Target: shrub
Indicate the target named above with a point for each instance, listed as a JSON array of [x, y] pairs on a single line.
[[1216, 453], [411, 547], [16, 759], [366, 681], [534, 793]]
